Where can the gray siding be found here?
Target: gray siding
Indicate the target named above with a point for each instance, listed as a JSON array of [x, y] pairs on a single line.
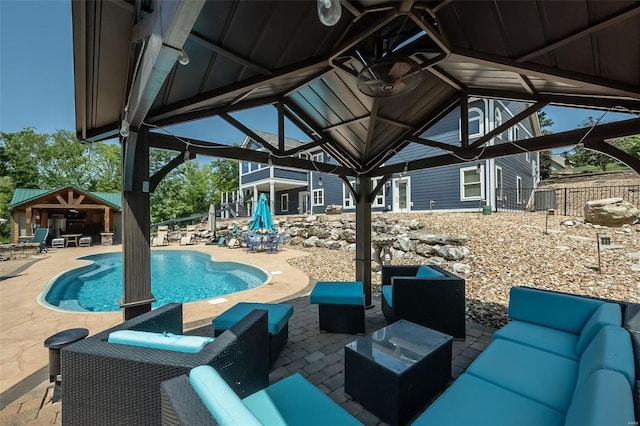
[[279, 173], [255, 176]]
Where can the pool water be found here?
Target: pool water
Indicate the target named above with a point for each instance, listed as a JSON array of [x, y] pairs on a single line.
[[176, 276]]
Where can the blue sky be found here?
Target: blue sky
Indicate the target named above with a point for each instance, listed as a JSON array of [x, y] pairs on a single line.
[[36, 79]]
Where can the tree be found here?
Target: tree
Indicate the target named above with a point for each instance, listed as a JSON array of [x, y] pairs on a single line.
[[545, 156], [225, 177], [63, 162], [582, 156], [22, 153], [6, 193], [105, 167]]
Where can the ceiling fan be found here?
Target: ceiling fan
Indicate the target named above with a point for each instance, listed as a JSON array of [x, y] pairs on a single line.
[[386, 73]]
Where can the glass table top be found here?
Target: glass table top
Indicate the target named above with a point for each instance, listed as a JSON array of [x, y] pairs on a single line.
[[400, 345]]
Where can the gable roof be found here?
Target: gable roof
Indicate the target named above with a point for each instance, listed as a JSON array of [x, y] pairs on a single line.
[[24, 195], [289, 143]]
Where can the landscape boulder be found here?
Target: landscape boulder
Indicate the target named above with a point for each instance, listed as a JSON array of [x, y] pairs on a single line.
[[610, 212]]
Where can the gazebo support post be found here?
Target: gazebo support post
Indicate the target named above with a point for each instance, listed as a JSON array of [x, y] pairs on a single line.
[[136, 252], [363, 235]]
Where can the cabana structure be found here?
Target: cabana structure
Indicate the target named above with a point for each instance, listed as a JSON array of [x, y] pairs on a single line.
[[363, 89]]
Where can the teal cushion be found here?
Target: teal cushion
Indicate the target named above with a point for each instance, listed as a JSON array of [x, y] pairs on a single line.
[[425, 271], [338, 293], [605, 398], [473, 401], [295, 401], [611, 350], [533, 373], [606, 314], [278, 315], [387, 293], [549, 339], [167, 341], [221, 401], [562, 311]]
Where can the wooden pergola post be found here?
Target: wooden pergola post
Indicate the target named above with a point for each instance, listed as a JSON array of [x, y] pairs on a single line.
[[136, 252], [363, 235]]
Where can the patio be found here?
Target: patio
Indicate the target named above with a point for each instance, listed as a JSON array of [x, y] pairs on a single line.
[[317, 356]]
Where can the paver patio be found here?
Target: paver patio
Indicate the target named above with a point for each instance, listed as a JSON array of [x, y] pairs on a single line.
[[317, 356]]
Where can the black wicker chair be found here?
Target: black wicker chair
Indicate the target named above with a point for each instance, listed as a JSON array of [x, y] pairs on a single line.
[[112, 384], [434, 302]]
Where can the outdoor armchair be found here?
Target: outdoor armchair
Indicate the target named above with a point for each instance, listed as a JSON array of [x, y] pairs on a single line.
[[435, 300], [113, 384]]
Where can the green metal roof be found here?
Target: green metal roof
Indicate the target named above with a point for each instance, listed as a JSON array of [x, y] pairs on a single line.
[[24, 195]]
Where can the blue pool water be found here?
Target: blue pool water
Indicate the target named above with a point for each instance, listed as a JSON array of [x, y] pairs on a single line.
[[176, 276]]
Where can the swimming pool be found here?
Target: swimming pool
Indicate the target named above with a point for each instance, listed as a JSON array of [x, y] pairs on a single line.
[[176, 276]]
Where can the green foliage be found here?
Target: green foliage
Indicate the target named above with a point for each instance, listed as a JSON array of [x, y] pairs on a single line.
[[225, 177], [21, 151], [545, 156], [32, 160], [6, 192], [581, 156], [545, 164]]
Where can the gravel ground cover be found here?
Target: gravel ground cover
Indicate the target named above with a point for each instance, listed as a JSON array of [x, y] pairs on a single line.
[[509, 249]]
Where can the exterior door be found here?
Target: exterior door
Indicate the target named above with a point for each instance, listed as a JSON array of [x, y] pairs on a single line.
[[302, 202], [22, 225], [402, 194]]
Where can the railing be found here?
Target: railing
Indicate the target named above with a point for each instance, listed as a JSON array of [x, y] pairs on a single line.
[[565, 201]]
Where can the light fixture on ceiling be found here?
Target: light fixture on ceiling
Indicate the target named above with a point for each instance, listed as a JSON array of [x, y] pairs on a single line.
[[124, 129], [389, 76], [183, 59], [329, 12], [320, 181]]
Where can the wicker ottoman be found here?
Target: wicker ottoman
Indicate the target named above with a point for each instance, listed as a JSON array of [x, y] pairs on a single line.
[[340, 306], [278, 322]]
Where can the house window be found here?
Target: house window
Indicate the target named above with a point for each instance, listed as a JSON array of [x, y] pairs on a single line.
[[284, 202], [379, 200], [519, 190], [514, 134], [317, 157], [318, 197], [499, 183], [471, 183], [245, 168], [303, 155], [476, 123], [347, 197]]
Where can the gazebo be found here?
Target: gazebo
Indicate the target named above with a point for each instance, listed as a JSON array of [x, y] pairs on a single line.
[[363, 86]]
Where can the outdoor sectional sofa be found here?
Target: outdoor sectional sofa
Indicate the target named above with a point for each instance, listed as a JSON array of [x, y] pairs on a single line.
[[562, 360], [424, 294], [107, 383]]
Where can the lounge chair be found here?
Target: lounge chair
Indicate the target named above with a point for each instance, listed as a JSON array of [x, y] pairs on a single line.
[[85, 241], [234, 241], [190, 237], [107, 383], [40, 237], [162, 238]]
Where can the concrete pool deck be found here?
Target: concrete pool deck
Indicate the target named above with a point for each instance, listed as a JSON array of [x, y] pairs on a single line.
[[25, 324]]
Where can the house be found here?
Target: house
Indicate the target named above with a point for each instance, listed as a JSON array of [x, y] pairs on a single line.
[[502, 183], [66, 210], [559, 163]]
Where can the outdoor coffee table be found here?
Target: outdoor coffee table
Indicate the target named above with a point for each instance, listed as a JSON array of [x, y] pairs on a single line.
[[394, 372]]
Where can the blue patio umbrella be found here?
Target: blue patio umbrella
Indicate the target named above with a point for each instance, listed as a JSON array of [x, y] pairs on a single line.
[[262, 216]]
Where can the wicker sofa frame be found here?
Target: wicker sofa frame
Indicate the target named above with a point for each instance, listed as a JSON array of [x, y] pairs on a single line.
[[112, 384], [434, 302]]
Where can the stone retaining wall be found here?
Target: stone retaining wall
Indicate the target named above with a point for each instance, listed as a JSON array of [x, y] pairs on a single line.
[[18, 251]]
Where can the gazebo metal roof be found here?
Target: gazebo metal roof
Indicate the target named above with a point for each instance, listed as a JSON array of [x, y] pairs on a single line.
[[250, 53], [243, 54]]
